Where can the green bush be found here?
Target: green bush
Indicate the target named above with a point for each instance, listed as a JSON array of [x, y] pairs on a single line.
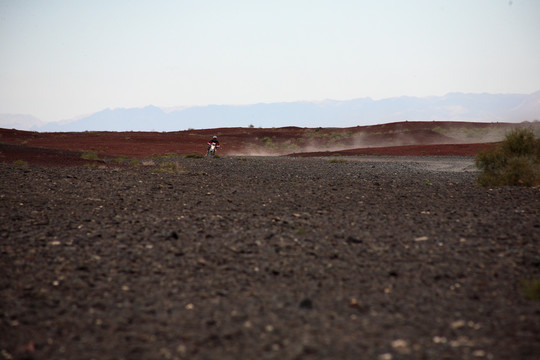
[[193, 156], [515, 162], [90, 155], [531, 289], [268, 142], [521, 142]]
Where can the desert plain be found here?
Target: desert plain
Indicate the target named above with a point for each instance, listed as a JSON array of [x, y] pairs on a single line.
[[133, 246]]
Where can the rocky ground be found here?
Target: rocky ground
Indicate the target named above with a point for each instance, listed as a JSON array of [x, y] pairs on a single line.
[[267, 258]]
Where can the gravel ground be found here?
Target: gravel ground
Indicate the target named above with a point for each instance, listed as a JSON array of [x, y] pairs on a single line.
[[267, 258]]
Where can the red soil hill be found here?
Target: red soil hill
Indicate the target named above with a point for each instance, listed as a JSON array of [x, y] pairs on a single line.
[[403, 138]]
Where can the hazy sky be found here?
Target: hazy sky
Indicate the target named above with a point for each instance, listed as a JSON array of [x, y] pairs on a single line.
[[64, 58]]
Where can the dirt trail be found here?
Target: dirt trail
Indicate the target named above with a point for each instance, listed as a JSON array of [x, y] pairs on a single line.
[[431, 163]]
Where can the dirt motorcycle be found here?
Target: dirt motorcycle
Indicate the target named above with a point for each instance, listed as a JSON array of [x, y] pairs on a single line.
[[212, 149]]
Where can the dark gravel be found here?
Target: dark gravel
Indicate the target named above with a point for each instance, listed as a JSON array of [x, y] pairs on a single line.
[[267, 258]]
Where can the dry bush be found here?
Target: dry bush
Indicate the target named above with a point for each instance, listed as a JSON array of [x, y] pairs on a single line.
[[193, 156], [170, 167], [531, 288], [514, 162], [89, 155]]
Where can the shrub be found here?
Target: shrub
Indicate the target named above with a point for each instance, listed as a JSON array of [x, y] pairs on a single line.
[[193, 156], [92, 165], [165, 156], [170, 167], [301, 231], [268, 142], [90, 155], [515, 161], [521, 142], [531, 289], [20, 162], [439, 130], [121, 159]]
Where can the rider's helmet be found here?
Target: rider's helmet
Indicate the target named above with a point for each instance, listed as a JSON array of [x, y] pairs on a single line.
[[214, 137]]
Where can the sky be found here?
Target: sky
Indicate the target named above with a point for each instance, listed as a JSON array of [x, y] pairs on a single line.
[[60, 59]]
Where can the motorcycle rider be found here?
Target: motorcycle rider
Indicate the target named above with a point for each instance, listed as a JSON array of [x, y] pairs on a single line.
[[213, 141]]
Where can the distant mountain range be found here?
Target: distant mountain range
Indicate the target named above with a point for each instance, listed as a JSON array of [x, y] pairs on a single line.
[[328, 113]]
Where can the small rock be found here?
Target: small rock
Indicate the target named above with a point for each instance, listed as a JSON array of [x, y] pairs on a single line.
[[439, 340], [461, 341], [457, 324], [353, 240], [181, 349], [401, 346], [479, 353], [306, 304]]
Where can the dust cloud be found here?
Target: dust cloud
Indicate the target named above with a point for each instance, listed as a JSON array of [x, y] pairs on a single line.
[[390, 136]]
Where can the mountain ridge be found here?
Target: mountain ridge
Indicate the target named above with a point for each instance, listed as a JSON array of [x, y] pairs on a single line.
[[483, 107]]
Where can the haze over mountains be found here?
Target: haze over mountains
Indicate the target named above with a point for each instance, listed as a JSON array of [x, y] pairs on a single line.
[[328, 113]]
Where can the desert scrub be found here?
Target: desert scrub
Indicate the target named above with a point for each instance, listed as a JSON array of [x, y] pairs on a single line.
[[93, 164], [531, 289], [193, 156], [170, 167], [89, 155], [440, 130], [20, 162], [121, 159], [288, 145], [336, 161], [301, 231], [165, 156], [268, 142], [514, 162]]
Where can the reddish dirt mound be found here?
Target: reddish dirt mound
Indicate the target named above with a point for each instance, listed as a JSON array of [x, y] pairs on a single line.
[[404, 138], [408, 150], [41, 156]]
